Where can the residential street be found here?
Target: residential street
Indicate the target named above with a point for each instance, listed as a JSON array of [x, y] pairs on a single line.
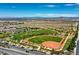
[[16, 50]]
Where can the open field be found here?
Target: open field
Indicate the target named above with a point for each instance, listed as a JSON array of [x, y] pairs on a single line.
[[40, 39]]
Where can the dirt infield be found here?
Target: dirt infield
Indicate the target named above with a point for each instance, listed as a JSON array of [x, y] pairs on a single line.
[[51, 44]]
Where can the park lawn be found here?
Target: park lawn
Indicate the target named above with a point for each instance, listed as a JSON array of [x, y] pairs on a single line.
[[19, 36], [31, 33], [40, 39], [40, 32], [2, 35]]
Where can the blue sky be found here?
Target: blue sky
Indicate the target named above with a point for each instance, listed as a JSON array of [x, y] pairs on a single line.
[[39, 9]]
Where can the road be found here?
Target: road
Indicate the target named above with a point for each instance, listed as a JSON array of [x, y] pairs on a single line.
[[16, 50], [12, 52], [76, 49]]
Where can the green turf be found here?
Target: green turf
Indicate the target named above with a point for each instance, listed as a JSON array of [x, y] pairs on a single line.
[[40, 39], [40, 32], [31, 33], [2, 34], [67, 44], [70, 43]]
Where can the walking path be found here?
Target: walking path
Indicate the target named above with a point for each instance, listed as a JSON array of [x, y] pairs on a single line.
[[62, 45]]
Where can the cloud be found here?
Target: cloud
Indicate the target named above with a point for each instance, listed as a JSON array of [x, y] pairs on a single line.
[[76, 3], [55, 15], [69, 4], [50, 5]]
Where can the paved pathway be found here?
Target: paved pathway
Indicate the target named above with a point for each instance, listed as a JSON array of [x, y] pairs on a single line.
[[76, 49]]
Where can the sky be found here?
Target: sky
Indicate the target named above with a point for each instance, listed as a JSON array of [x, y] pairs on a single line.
[[39, 10]]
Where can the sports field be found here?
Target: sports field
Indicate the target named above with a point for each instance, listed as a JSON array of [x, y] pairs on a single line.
[[40, 39], [51, 44]]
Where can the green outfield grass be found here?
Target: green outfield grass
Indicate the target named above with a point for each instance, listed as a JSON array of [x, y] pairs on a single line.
[[40, 39]]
